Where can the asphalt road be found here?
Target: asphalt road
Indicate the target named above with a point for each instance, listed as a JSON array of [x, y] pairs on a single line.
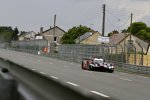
[[118, 85]]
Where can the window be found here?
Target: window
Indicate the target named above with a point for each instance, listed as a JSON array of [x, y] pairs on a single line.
[[55, 38]]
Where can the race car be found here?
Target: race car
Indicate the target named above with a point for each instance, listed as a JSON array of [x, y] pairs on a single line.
[[98, 64]]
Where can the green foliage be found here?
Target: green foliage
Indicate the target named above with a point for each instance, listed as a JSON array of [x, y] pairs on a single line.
[[7, 33], [136, 27], [140, 30], [124, 31], [73, 33], [148, 29], [109, 34], [15, 34], [142, 33], [112, 33]]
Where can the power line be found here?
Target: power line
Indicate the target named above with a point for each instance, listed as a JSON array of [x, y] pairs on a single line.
[[125, 22], [115, 25]]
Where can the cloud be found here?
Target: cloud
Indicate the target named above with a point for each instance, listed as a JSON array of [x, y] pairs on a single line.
[[32, 14]]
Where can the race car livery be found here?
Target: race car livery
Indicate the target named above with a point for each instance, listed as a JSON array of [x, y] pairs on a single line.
[[97, 64]]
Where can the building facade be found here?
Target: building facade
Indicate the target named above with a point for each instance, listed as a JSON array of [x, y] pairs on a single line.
[[89, 38], [53, 34]]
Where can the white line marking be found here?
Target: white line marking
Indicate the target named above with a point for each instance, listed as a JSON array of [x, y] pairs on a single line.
[[100, 94], [142, 77], [54, 77], [43, 73], [33, 69], [126, 79], [72, 83]]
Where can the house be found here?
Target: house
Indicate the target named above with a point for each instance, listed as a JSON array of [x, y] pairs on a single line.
[[89, 38], [148, 50], [123, 40], [132, 47], [53, 35], [39, 36], [27, 36]]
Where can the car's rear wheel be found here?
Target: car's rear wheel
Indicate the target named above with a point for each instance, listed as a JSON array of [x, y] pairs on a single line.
[[82, 65]]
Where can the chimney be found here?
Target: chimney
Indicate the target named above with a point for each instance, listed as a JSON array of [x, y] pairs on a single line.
[[41, 30]]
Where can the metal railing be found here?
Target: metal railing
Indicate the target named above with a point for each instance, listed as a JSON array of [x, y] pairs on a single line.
[[42, 87], [117, 54]]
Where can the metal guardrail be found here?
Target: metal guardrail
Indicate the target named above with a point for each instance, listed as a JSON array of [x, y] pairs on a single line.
[[42, 86], [145, 70]]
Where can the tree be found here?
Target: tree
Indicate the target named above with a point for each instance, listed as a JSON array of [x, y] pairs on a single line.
[[140, 30], [124, 31], [15, 34], [142, 34], [136, 27], [5, 33], [112, 33], [73, 33]]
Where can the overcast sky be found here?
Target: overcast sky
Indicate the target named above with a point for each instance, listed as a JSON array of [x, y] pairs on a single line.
[[30, 15]]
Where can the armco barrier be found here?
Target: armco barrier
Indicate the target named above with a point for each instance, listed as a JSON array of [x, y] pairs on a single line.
[[44, 87], [145, 70], [8, 90]]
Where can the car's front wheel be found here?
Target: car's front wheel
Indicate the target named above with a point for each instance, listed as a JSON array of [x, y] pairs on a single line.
[[90, 67], [111, 71]]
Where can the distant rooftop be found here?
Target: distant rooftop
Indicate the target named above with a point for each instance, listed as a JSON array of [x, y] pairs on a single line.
[[84, 36], [117, 38]]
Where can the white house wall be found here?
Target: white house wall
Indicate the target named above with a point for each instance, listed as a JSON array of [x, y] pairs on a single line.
[[148, 53]]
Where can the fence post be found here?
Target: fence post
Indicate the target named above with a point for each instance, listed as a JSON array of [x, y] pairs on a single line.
[[127, 58], [116, 52], [108, 52], [111, 53], [141, 61], [134, 53], [122, 60]]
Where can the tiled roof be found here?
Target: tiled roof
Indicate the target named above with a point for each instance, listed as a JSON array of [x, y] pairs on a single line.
[[53, 28], [85, 36], [117, 38], [142, 43]]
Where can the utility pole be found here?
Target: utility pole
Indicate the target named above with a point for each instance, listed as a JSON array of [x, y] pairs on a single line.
[[103, 29], [54, 27], [131, 26], [130, 43], [52, 45], [103, 23]]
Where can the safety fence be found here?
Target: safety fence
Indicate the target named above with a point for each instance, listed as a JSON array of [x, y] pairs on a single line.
[[30, 46], [110, 53], [129, 61], [121, 56]]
